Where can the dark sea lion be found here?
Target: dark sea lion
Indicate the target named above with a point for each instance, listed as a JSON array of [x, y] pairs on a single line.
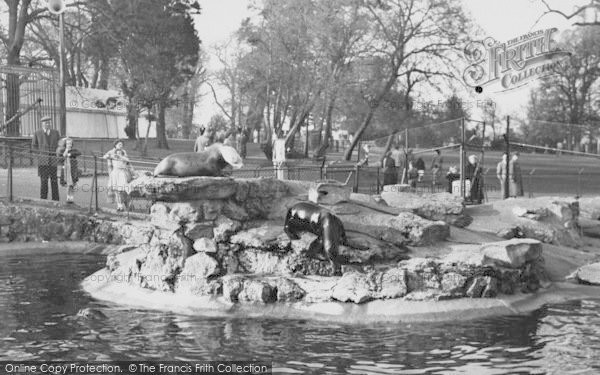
[[209, 162], [309, 217]]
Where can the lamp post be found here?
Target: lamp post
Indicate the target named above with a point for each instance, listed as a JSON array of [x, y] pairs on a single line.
[[58, 7]]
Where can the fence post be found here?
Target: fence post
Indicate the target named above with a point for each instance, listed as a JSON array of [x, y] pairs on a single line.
[[10, 174], [529, 183], [356, 169], [101, 153], [96, 181], [579, 182]]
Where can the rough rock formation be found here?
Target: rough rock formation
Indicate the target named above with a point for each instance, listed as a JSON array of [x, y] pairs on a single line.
[[553, 220], [437, 207], [222, 237], [589, 274]]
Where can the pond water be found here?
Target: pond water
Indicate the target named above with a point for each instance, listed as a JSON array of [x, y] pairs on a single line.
[[40, 295]]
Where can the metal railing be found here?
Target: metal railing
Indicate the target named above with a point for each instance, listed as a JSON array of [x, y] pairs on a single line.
[[24, 178]]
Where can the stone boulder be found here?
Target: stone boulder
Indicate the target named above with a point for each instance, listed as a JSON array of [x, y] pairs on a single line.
[[403, 229], [421, 274], [224, 228], [244, 288], [329, 192], [589, 274], [590, 207], [363, 249], [547, 219], [173, 189], [269, 236], [200, 230], [164, 261], [353, 287], [287, 290], [198, 276], [359, 287], [513, 253], [437, 207], [125, 267], [205, 245]]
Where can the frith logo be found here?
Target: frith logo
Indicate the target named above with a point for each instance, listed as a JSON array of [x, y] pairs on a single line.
[[510, 65]]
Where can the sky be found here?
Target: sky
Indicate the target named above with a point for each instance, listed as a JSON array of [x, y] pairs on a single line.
[[500, 19]]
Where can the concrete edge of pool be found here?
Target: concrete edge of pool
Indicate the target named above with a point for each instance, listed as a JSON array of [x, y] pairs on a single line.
[[98, 286]]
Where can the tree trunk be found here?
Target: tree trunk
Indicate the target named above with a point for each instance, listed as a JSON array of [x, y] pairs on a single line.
[[104, 73], [372, 108], [96, 75], [186, 127], [161, 133], [13, 99], [360, 131], [132, 120]]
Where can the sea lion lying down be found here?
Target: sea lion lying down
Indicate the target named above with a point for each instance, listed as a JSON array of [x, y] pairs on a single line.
[[209, 162], [309, 217]]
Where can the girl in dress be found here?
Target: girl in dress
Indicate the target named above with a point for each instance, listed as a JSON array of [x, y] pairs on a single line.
[[119, 173], [69, 173]]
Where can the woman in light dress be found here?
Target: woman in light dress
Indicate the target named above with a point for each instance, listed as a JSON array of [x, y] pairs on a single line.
[[69, 172], [119, 173]]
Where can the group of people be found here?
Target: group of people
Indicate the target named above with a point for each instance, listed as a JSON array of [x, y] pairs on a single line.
[[396, 163], [515, 178], [394, 166], [57, 160], [54, 152]]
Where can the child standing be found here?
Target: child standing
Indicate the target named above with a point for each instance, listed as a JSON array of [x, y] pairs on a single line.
[[119, 173], [69, 173]]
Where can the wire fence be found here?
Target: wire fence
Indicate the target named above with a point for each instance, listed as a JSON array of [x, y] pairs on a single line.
[[31, 174]]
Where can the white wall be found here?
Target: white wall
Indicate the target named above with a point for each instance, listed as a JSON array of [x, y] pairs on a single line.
[[83, 123]]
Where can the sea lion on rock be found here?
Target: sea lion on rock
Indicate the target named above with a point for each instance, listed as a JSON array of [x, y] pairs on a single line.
[[209, 162], [309, 217]]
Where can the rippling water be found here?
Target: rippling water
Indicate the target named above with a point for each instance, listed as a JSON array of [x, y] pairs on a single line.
[[40, 295]]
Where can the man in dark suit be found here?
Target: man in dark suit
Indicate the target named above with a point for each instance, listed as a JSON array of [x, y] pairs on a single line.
[[45, 142]]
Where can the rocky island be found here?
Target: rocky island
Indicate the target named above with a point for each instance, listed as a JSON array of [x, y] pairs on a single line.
[[216, 245]]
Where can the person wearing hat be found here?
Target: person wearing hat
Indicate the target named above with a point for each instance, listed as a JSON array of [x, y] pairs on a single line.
[[45, 142], [119, 173]]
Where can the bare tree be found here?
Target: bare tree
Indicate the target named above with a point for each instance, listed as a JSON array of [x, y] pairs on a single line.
[[413, 38]]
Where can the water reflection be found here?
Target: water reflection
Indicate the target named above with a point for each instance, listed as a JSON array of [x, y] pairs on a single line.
[[40, 296]]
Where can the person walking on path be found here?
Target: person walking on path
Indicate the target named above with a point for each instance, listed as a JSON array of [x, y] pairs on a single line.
[[420, 165], [473, 174], [45, 142], [69, 173], [436, 166], [242, 140], [501, 174], [390, 173], [516, 179], [201, 141], [119, 173], [279, 156], [412, 176]]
